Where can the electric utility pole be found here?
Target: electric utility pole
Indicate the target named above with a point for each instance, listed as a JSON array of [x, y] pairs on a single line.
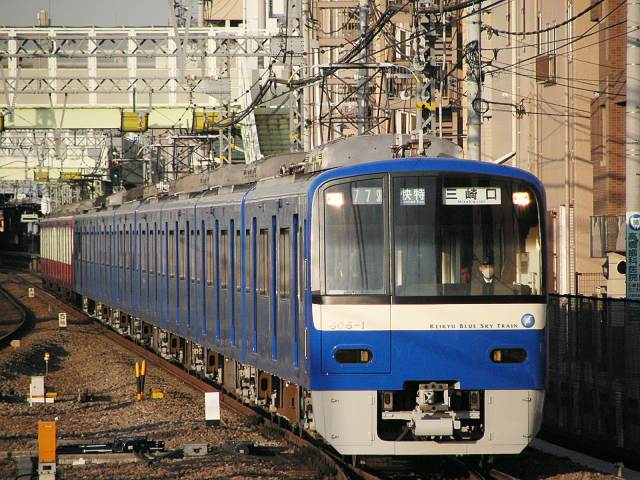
[[363, 74], [424, 62], [474, 84]]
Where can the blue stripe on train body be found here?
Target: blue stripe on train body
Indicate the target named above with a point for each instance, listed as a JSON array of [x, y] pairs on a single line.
[[462, 355], [414, 354]]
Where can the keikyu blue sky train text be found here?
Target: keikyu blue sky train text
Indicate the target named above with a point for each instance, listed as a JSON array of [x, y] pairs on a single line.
[[393, 306]]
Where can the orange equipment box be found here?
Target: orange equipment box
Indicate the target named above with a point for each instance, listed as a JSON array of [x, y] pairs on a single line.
[[46, 441]]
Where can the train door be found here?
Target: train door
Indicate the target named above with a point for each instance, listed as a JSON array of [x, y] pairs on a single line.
[[165, 279], [226, 235], [173, 299], [147, 234], [189, 279], [263, 312], [207, 274], [236, 317], [285, 270], [200, 285]]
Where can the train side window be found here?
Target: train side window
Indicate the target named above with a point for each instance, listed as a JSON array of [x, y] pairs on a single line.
[[132, 247], [120, 248], [192, 253], [302, 268], [144, 249], [164, 264], [104, 245], [238, 260], [224, 258], [172, 254], [151, 247], [210, 255], [127, 248], [182, 247], [247, 261], [156, 251], [284, 276], [263, 262]]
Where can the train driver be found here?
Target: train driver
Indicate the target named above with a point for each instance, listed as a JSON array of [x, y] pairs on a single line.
[[488, 283]]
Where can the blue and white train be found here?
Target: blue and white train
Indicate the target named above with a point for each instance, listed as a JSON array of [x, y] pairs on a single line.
[[395, 307]]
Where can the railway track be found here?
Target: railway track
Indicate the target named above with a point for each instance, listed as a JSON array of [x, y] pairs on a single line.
[[335, 466], [44, 304], [13, 317]]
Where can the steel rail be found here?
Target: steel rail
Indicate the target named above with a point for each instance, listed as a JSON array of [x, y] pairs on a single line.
[[5, 337]]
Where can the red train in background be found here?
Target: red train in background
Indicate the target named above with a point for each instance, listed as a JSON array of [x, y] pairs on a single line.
[[56, 258]]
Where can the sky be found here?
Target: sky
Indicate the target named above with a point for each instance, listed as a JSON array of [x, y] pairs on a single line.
[[81, 13]]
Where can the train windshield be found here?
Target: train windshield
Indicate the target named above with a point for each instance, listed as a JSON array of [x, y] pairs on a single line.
[[355, 240], [432, 235], [465, 236]]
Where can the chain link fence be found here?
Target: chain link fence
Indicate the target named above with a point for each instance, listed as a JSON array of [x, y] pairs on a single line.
[[593, 392], [590, 284]]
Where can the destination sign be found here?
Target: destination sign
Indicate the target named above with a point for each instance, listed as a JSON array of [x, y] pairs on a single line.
[[471, 196]]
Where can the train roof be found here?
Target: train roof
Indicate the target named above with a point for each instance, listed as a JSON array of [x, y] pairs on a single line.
[[295, 174]]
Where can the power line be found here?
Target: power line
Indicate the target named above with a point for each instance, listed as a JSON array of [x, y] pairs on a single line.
[[497, 31], [416, 35], [550, 42], [539, 100], [602, 92], [583, 35]]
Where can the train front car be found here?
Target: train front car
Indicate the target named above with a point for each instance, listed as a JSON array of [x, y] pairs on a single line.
[[428, 307]]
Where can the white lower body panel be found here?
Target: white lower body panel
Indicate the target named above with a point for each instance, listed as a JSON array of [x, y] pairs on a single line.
[[347, 420]]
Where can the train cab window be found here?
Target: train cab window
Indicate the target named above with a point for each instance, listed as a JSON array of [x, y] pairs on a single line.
[[284, 272], [465, 235], [172, 254], [224, 259], [415, 236], [238, 260], [182, 248], [354, 238], [210, 257], [263, 262]]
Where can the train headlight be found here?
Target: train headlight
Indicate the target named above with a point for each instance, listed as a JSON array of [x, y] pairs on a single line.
[[521, 199], [334, 199], [528, 320]]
